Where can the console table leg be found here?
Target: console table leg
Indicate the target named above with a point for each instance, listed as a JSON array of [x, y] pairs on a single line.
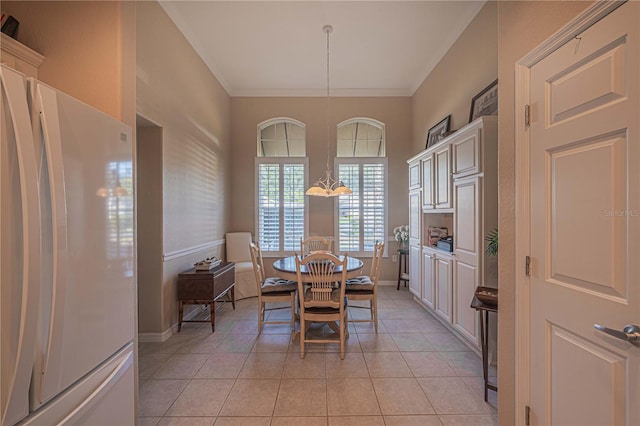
[[180, 309], [212, 312], [484, 331], [233, 297]]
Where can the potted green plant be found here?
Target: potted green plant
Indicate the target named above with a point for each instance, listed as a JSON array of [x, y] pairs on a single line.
[[492, 240]]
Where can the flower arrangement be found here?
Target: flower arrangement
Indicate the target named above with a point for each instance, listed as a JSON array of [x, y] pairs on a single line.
[[402, 234]]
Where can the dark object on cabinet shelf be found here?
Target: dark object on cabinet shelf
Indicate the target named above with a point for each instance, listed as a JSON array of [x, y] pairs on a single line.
[[206, 288], [435, 133], [10, 27], [485, 102], [445, 244]]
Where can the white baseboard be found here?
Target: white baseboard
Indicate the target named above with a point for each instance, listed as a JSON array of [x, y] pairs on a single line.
[[161, 337]]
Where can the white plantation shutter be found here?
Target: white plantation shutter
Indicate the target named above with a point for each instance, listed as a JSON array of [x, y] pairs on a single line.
[[281, 209], [293, 203], [362, 214]]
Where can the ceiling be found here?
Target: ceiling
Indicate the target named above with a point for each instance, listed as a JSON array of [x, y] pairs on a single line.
[[278, 48]]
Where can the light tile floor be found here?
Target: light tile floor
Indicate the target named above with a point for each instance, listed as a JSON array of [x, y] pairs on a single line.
[[413, 372]]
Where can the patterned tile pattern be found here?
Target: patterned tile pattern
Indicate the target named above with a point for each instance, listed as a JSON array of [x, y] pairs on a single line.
[[413, 372]]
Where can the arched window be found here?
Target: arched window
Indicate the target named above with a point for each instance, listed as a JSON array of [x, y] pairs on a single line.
[[281, 137], [361, 164], [281, 175], [361, 137]]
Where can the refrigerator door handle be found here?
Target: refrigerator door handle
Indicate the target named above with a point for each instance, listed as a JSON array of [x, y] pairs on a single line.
[[17, 401], [47, 382]]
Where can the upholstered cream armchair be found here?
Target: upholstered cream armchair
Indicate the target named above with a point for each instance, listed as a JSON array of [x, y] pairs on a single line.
[[237, 244]]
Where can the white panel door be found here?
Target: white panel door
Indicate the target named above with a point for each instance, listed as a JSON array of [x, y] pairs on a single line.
[[428, 288], [442, 173], [443, 283], [414, 271], [585, 226], [465, 318], [467, 220], [428, 179]]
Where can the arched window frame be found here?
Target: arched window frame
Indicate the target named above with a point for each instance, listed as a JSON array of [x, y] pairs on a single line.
[[284, 238], [370, 121], [277, 120], [361, 202]]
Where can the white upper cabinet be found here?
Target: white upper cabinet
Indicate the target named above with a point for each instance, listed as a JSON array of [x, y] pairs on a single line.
[[19, 57], [436, 178], [442, 172], [470, 152]]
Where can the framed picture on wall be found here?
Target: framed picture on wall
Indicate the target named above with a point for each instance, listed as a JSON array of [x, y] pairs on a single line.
[[485, 102], [437, 132]]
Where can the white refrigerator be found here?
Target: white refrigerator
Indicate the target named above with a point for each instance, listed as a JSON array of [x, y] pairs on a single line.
[[66, 260]]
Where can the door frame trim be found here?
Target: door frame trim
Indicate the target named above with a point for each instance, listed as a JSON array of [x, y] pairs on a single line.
[[580, 23]]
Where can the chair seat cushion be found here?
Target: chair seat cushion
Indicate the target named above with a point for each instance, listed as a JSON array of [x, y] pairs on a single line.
[[359, 283], [277, 284]]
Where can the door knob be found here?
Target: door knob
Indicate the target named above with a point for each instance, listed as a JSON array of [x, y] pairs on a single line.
[[631, 332]]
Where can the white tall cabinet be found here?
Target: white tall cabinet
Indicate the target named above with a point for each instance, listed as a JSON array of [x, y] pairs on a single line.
[[458, 178]]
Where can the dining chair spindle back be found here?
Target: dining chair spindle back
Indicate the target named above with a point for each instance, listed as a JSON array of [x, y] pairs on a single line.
[[365, 287], [319, 299], [271, 290], [314, 243]]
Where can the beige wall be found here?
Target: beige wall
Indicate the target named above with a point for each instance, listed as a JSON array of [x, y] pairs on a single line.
[[468, 67], [88, 48], [149, 171], [394, 112], [522, 25], [176, 90]]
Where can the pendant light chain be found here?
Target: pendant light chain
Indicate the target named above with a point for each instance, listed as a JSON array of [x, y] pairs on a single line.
[[328, 29], [328, 187]]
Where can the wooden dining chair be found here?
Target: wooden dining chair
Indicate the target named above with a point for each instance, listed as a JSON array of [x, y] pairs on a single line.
[[271, 290], [365, 287], [319, 299], [314, 243]]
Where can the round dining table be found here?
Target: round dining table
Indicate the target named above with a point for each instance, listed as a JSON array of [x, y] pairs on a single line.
[[286, 267]]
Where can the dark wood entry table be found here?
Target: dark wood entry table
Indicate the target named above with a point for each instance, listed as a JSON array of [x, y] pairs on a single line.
[[484, 310], [206, 288]]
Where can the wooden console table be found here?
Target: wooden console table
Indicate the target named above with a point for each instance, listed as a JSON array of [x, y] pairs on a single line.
[[206, 288]]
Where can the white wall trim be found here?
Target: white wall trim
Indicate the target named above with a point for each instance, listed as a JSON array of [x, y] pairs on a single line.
[[166, 257], [161, 337], [522, 223], [157, 337]]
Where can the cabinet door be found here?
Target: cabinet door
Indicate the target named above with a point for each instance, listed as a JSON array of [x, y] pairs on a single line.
[[428, 289], [467, 240], [443, 283], [428, 200], [465, 318], [414, 271], [415, 213], [442, 187], [466, 154], [414, 175]]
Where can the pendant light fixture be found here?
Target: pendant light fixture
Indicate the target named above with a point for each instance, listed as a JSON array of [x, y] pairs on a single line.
[[328, 186]]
